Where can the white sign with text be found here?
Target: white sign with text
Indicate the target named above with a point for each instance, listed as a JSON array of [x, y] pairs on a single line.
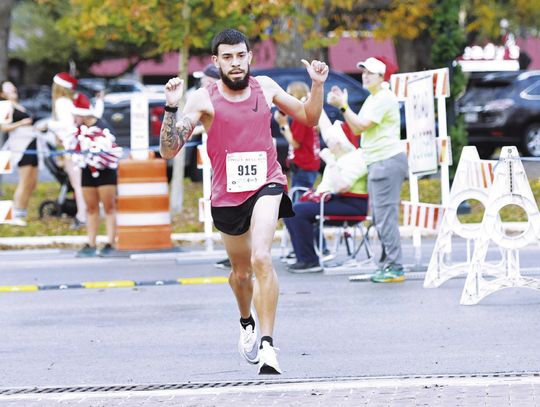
[[420, 121], [139, 127]]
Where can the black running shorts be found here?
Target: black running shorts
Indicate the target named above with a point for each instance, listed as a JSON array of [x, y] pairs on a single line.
[[107, 176], [236, 220], [29, 158]]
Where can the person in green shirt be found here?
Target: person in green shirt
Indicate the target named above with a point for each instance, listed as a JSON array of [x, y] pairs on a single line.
[[378, 123]]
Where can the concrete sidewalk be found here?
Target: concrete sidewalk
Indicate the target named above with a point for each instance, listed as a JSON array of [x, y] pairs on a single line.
[[498, 390]]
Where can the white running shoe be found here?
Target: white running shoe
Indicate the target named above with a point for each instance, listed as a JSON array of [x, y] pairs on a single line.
[[268, 363], [17, 222], [247, 344]]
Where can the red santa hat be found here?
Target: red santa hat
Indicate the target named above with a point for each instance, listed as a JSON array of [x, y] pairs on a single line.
[[82, 105], [65, 80], [379, 65]]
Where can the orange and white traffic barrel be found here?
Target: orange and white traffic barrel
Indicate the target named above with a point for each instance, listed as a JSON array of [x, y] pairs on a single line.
[[143, 220]]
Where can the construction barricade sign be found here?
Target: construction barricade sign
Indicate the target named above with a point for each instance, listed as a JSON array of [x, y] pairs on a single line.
[[6, 211], [420, 123], [5, 162], [421, 92]]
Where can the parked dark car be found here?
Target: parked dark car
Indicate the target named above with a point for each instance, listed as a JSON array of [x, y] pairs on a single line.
[[284, 76], [501, 109], [37, 100], [124, 86]]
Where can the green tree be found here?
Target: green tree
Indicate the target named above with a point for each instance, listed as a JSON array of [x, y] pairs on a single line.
[[448, 42], [153, 27], [407, 23], [5, 21]]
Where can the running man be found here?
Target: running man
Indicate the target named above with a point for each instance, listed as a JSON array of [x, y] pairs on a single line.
[[248, 186]]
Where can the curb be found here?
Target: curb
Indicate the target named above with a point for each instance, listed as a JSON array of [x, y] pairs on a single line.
[[405, 232]]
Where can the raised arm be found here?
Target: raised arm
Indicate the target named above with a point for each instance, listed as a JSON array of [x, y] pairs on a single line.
[[309, 112], [340, 99], [177, 127]]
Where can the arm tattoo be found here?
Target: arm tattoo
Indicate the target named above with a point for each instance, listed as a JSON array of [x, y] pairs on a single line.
[[173, 136]]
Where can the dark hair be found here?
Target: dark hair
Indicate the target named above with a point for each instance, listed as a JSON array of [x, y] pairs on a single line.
[[229, 36]]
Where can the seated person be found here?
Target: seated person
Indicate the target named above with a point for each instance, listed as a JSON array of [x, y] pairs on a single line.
[[345, 177]]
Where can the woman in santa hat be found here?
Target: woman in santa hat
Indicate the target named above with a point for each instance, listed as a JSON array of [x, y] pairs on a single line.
[[97, 153], [63, 125], [378, 122]]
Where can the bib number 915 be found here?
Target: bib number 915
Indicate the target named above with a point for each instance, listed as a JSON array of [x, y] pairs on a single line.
[[247, 170]]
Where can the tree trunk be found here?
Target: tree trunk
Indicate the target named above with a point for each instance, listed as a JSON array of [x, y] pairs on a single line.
[[177, 181], [5, 23], [414, 55]]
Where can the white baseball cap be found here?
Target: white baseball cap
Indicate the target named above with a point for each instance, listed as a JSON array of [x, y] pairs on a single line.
[[372, 65]]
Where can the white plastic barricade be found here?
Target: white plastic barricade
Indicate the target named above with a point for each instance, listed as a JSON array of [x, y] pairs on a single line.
[[6, 211], [510, 187], [473, 180]]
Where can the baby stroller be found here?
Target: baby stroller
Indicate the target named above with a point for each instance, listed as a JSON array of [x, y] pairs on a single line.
[[65, 204]]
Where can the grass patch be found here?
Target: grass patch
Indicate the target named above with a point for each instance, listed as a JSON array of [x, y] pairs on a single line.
[[187, 221]]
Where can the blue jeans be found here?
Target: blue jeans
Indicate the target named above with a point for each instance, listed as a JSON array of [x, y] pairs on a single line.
[[301, 229]]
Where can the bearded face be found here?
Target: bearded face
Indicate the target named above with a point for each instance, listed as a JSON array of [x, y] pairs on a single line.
[[233, 62], [235, 81]]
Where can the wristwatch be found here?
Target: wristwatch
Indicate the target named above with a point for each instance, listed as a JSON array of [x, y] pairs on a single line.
[[283, 128], [344, 108], [171, 109]]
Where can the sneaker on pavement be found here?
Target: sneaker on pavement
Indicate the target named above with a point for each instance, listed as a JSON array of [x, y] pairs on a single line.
[[247, 344], [302, 267], [390, 274], [18, 222], [268, 363], [106, 250], [87, 251], [377, 274], [288, 257], [223, 264], [77, 224]]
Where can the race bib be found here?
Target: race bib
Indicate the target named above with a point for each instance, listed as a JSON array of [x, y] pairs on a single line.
[[246, 171]]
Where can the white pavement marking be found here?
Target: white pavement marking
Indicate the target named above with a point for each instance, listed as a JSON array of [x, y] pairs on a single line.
[[307, 385], [28, 252]]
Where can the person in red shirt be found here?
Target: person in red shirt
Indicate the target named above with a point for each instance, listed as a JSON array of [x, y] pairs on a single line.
[[248, 185], [304, 145]]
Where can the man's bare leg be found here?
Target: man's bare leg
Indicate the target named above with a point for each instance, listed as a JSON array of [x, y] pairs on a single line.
[[239, 251], [251, 253], [263, 227], [241, 281]]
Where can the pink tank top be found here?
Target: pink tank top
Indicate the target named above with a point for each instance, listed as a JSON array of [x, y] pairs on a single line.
[[240, 127]]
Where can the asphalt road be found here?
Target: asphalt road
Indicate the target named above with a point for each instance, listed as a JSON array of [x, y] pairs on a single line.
[[327, 326]]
